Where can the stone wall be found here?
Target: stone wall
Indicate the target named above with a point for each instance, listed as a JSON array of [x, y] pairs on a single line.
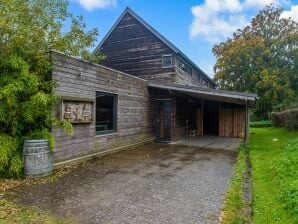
[[79, 80]]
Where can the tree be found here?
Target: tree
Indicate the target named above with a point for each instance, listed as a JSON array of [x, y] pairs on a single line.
[[28, 30], [261, 58]]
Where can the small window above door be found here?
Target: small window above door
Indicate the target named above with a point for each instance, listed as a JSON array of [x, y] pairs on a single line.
[[167, 61]]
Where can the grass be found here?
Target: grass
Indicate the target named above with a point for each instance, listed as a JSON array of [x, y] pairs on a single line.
[[234, 206], [268, 206]]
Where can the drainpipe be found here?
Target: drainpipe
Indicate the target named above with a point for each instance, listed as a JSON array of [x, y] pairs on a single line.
[[187, 125]]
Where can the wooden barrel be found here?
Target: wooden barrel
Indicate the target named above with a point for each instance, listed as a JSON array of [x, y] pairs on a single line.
[[37, 158]]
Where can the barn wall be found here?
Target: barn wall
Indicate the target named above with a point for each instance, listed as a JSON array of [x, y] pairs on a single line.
[[134, 118], [134, 49]]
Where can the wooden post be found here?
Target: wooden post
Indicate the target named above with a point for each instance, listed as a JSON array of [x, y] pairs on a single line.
[[202, 117], [246, 122]]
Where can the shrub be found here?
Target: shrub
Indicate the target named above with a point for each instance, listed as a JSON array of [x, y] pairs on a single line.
[[29, 29], [10, 156], [261, 124], [292, 119], [286, 171], [278, 119]]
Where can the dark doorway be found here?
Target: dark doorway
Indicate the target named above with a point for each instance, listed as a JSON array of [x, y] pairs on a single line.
[[211, 117], [163, 120]]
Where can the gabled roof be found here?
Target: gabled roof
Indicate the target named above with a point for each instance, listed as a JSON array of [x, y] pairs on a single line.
[[157, 34]]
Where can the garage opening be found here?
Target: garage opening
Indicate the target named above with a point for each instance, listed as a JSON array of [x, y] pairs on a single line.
[[211, 118]]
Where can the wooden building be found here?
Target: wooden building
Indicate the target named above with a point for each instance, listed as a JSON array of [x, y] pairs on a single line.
[[145, 89], [134, 47]]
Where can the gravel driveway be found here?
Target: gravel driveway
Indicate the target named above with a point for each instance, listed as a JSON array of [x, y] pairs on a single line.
[[149, 184]]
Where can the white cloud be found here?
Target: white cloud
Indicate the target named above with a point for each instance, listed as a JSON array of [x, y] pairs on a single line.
[[262, 3], [292, 13], [96, 4], [215, 20]]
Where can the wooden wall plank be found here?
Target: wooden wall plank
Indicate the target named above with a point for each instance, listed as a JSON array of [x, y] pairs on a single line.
[[134, 118], [232, 123]]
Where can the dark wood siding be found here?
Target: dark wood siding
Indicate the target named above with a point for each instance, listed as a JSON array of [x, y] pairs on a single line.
[[134, 49]]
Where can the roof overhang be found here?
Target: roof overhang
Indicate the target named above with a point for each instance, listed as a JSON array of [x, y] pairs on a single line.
[[208, 94]]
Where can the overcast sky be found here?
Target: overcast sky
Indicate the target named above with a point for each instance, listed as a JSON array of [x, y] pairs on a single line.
[[193, 26]]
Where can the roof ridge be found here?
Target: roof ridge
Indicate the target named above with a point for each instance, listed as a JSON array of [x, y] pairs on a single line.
[[157, 34]]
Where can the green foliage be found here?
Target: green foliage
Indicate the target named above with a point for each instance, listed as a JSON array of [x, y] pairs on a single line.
[[260, 124], [234, 205], [10, 159], [274, 163], [286, 170], [261, 58], [29, 29]]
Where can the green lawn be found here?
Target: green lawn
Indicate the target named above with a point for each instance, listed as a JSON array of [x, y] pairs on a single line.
[[233, 211], [264, 152]]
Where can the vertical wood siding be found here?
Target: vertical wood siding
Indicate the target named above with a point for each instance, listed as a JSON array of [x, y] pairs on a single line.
[[232, 123]]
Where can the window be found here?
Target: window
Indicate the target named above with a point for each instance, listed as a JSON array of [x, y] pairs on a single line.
[[184, 67], [106, 112], [167, 61]]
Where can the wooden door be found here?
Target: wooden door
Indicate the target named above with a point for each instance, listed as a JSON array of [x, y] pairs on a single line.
[[163, 121], [232, 123], [199, 121]]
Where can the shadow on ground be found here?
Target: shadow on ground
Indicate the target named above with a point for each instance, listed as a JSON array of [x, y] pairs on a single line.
[[153, 183]]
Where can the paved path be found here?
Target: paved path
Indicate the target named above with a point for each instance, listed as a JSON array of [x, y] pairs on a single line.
[[212, 142], [149, 184]]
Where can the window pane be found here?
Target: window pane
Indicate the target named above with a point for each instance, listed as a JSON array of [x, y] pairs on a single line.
[[183, 66], [105, 112], [167, 61]]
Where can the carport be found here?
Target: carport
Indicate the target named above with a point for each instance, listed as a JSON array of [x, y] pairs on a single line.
[[187, 111]]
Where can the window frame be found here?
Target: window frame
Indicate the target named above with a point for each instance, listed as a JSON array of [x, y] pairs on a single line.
[[162, 60], [181, 61], [115, 113]]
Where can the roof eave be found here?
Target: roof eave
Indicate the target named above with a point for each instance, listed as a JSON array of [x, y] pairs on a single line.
[[234, 96]]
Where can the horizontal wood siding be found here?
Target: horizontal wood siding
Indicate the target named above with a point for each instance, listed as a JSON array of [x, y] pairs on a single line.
[[134, 117], [193, 79], [134, 49]]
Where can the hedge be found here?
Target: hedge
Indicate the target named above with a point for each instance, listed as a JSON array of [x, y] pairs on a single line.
[[260, 124], [287, 119]]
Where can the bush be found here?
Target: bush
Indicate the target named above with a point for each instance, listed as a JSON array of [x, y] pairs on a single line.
[[29, 29], [260, 124], [10, 157], [287, 119], [292, 119], [278, 119], [286, 171]]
